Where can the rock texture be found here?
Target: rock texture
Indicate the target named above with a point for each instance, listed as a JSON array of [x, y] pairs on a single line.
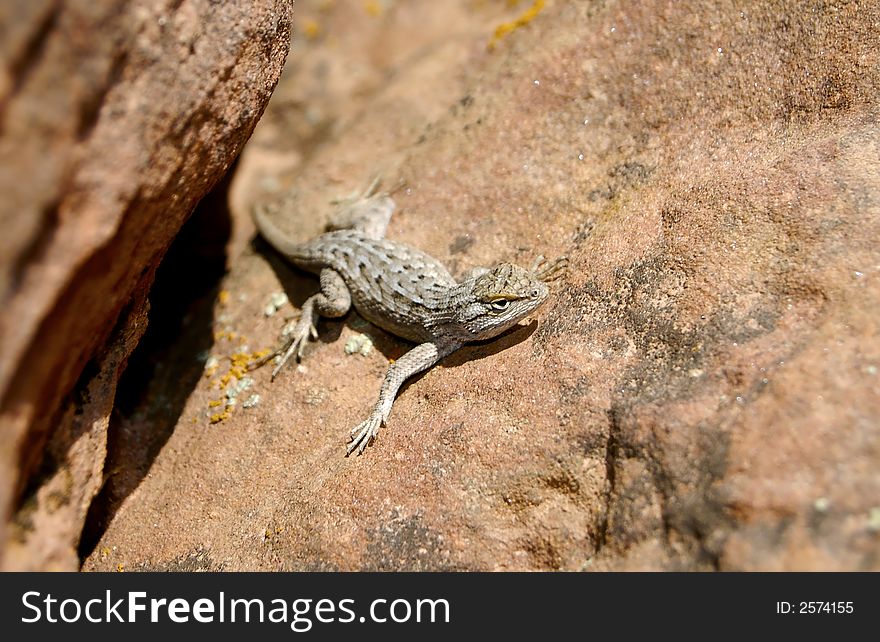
[[702, 390], [116, 118]]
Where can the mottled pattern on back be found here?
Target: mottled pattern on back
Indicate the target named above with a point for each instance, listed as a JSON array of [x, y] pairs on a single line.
[[390, 282]]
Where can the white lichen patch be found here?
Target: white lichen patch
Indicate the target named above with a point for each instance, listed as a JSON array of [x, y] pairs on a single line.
[[277, 300], [251, 401], [359, 344]]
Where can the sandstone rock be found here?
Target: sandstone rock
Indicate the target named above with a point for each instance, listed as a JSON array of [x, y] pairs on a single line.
[[701, 391], [116, 117]]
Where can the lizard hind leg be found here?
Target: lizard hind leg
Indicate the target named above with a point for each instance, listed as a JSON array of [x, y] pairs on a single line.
[[333, 301], [368, 212]]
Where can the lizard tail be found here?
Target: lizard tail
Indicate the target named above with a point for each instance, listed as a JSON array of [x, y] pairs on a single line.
[[270, 231]]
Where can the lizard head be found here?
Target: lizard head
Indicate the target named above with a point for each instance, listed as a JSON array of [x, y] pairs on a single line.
[[506, 294]]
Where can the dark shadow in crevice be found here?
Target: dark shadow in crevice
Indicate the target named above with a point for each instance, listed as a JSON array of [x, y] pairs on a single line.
[[166, 366]]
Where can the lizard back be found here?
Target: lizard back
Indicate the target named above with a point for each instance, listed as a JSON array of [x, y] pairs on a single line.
[[392, 285]]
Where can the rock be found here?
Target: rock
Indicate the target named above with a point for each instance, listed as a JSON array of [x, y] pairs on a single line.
[[116, 118], [701, 390]]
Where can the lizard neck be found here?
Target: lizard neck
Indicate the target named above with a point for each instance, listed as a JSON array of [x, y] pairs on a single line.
[[453, 309]]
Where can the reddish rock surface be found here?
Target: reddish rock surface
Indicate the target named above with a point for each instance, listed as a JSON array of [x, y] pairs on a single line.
[[701, 391], [116, 118]]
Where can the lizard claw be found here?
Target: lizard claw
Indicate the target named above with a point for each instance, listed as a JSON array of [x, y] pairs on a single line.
[[364, 433], [296, 343]]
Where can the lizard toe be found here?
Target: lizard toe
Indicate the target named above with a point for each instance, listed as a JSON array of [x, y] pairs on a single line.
[[362, 434]]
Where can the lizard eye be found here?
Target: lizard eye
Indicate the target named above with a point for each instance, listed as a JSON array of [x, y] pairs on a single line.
[[500, 305]]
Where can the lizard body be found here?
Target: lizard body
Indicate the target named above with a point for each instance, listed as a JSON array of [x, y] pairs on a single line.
[[403, 291]]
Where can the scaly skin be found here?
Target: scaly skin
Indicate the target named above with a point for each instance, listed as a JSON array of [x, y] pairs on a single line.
[[401, 290]]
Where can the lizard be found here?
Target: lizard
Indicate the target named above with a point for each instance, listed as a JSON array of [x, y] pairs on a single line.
[[401, 290]]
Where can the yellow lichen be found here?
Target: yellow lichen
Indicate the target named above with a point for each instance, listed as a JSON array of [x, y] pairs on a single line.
[[240, 363], [223, 297], [311, 29], [221, 416], [503, 30], [373, 7]]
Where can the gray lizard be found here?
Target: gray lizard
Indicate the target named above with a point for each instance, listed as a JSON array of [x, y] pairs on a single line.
[[403, 291]]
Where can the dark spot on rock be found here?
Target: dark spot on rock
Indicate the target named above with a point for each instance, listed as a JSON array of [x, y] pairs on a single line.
[[460, 244], [583, 231], [544, 553], [593, 443], [563, 481], [601, 194], [622, 176], [405, 544], [618, 343], [630, 172], [574, 393]]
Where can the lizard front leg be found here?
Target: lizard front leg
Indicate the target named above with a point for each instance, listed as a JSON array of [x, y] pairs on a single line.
[[333, 301], [420, 358]]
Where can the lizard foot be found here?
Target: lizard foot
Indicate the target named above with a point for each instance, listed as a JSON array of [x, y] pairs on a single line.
[[364, 433], [295, 342]]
